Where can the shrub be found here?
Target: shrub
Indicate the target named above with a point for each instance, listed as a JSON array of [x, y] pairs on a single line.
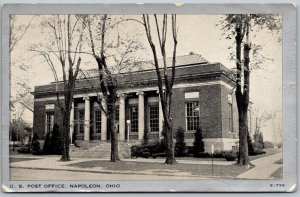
[[268, 144], [259, 151], [250, 145], [198, 143], [24, 149], [35, 145], [279, 145], [47, 149], [180, 147], [260, 139], [153, 149], [230, 155], [257, 145], [53, 143], [56, 140]]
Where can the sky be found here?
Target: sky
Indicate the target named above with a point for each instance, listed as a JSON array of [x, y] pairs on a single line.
[[196, 33]]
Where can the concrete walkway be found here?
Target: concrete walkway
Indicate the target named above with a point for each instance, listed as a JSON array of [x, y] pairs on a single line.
[[264, 167], [53, 163]]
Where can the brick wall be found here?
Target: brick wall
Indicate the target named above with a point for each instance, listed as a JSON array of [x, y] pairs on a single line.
[[39, 117], [210, 110]]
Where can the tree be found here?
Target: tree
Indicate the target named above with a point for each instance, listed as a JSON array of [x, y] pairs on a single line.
[[258, 138], [180, 144], [65, 36], [239, 27], [145, 138], [22, 89], [166, 76], [18, 130], [198, 143], [35, 145], [113, 57], [53, 143]]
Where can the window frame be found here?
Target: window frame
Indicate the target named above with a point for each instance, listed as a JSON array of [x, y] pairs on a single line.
[[195, 100], [230, 113], [97, 120], [49, 113], [156, 104], [136, 120], [77, 121]]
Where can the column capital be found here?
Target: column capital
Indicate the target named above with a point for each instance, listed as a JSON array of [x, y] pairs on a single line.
[[140, 93], [86, 98], [157, 91], [121, 95]]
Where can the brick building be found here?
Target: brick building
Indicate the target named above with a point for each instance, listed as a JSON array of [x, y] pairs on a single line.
[[202, 96]]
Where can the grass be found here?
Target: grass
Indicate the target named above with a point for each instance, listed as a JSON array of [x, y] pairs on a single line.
[[279, 161], [193, 169], [278, 174], [17, 159], [269, 151]]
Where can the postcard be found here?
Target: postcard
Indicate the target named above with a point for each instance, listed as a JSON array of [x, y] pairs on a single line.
[[148, 98]]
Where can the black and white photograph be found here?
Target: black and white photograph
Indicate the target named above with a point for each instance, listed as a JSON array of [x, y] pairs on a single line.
[[145, 97]]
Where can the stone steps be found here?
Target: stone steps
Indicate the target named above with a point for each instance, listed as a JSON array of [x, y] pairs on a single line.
[[99, 150]]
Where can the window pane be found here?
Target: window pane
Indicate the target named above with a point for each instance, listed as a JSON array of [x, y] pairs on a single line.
[[49, 123], [133, 113], [192, 115], [230, 117], [80, 121], [154, 118], [97, 120]]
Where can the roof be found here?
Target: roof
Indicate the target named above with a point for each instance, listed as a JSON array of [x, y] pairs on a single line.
[[180, 61], [183, 60]]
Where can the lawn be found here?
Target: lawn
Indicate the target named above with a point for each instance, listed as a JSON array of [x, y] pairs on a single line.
[[278, 173], [269, 151], [228, 171], [280, 161]]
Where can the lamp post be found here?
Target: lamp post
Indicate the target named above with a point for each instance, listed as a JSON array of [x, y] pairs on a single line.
[[128, 129]]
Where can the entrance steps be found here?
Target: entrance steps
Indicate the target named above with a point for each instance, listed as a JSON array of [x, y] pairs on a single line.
[[99, 149]]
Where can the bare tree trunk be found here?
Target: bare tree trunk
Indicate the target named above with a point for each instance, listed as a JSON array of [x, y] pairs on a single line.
[[243, 158], [66, 136], [170, 156], [111, 100], [66, 111], [243, 98]]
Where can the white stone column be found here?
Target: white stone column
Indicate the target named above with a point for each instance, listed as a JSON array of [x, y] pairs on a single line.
[[122, 117], [141, 114], [161, 117], [72, 123], [103, 122], [86, 118]]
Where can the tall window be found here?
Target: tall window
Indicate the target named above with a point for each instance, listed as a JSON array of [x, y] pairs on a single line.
[[97, 120], [230, 117], [153, 117], [134, 118], [80, 120], [192, 115], [49, 121]]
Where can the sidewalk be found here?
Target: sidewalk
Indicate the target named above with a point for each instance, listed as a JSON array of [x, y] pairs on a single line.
[[264, 167], [53, 163]]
